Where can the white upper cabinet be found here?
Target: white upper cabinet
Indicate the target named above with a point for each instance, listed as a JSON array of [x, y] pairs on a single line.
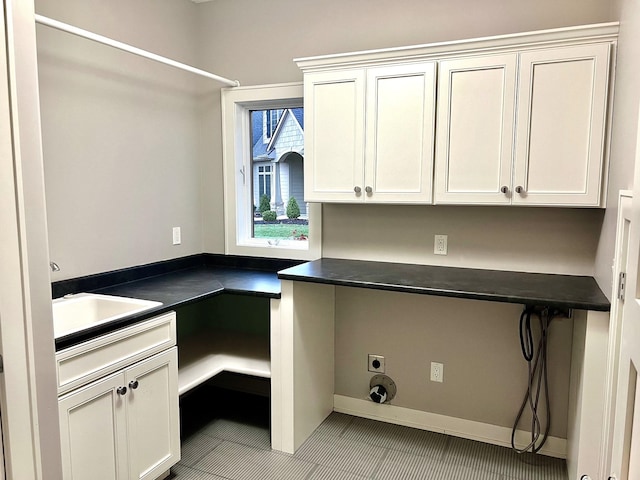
[[334, 136], [400, 108], [369, 134], [560, 140], [476, 105], [548, 151], [520, 119]]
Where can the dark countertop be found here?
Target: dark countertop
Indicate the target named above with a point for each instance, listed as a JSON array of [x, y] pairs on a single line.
[[559, 291], [196, 279], [189, 285]]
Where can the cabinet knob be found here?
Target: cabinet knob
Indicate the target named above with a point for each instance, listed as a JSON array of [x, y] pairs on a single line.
[[368, 190], [504, 189], [357, 189], [121, 390], [133, 384], [519, 189]]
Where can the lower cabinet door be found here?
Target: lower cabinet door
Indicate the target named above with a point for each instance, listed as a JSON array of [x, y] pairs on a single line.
[[93, 431], [153, 416]]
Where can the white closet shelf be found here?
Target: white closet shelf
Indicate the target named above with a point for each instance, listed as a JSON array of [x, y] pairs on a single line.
[[203, 356]]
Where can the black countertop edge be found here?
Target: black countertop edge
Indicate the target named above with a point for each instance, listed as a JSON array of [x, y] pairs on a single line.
[[99, 281], [175, 283], [558, 291]]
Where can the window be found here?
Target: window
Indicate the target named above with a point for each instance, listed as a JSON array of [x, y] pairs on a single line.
[[263, 157], [264, 181]]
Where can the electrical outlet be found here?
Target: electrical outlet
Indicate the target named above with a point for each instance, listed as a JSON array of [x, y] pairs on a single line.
[[440, 245], [177, 236], [437, 372], [375, 363]]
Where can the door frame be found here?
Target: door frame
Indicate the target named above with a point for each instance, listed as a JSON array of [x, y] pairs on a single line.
[[28, 393], [626, 426], [615, 327]]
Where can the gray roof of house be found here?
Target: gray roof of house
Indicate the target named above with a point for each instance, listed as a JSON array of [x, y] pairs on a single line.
[[259, 147]]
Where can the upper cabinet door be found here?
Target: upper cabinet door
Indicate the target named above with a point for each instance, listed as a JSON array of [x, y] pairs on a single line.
[[560, 140], [400, 110], [334, 136], [474, 135]]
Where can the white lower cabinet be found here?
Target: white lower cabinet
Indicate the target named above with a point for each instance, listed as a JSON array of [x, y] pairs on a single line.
[[125, 425], [93, 431]]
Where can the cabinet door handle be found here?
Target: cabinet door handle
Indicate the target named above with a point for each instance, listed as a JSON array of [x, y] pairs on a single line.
[[519, 189], [133, 384], [357, 189], [122, 390], [504, 189], [368, 190]]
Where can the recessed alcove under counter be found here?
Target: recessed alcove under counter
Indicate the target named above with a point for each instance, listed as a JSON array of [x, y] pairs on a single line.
[[471, 315]]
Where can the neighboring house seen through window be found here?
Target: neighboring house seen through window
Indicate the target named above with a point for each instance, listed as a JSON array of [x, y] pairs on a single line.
[[278, 178], [265, 211]]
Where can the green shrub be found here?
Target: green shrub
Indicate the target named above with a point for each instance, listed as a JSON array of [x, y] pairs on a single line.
[[293, 210], [269, 216], [264, 203]]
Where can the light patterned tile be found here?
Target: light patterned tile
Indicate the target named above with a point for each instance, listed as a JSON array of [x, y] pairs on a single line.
[[503, 460], [335, 424], [476, 455], [540, 467], [238, 432], [397, 437], [330, 473], [180, 472], [405, 466], [195, 447], [240, 462], [347, 455]]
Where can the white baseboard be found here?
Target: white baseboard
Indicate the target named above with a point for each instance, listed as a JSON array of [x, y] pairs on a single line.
[[458, 427]]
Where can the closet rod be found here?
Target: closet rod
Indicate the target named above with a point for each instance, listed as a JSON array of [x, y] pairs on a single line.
[[49, 22]]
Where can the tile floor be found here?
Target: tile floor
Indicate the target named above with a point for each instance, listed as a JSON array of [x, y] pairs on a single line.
[[233, 443]]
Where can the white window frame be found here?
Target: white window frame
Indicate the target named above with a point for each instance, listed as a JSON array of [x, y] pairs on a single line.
[[237, 103]]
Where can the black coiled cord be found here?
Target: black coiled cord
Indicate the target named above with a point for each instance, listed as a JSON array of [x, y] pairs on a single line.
[[537, 378]]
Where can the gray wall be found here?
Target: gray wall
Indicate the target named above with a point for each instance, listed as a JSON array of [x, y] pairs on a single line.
[[120, 135], [484, 373]]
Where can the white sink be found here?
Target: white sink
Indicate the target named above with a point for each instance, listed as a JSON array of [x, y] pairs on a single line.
[[73, 313]]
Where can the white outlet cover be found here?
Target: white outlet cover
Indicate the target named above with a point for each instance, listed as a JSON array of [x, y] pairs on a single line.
[[437, 372], [440, 244], [177, 236]]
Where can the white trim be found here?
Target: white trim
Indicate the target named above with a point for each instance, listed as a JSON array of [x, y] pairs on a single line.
[[621, 249], [417, 53], [64, 27], [236, 155], [458, 427], [28, 395]]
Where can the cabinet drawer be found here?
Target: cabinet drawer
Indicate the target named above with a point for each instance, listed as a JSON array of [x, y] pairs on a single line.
[[77, 365]]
